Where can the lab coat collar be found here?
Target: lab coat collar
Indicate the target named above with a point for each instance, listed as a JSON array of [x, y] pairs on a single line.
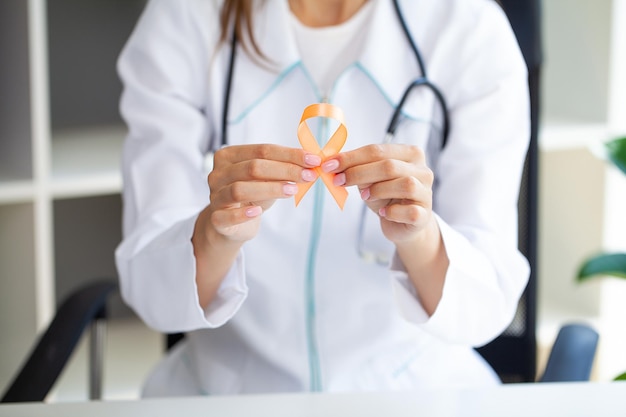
[[272, 30], [254, 76], [386, 56]]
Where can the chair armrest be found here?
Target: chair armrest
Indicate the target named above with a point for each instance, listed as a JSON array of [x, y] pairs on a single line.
[[49, 356], [572, 355]]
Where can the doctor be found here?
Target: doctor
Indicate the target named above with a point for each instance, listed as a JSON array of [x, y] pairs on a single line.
[[278, 298]]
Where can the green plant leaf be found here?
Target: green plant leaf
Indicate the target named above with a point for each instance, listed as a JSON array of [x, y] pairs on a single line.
[[613, 264], [621, 377], [617, 152]]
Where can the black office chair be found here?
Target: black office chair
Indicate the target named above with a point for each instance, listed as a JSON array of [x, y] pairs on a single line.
[[513, 354]]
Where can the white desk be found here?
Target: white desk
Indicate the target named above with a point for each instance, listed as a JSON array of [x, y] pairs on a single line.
[[528, 400]]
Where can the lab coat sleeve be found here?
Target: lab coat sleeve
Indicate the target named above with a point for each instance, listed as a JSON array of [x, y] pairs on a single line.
[[476, 195], [164, 69]]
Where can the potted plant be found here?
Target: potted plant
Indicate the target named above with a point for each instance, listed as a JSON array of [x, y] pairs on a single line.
[[611, 264]]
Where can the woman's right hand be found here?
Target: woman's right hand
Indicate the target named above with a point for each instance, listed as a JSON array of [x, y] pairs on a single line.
[[245, 181]]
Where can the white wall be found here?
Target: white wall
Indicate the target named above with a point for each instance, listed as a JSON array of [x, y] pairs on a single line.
[[582, 198]]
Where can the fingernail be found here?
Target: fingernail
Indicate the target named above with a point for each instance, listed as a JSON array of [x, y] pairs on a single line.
[[253, 211], [339, 179], [365, 193], [312, 160], [290, 189], [309, 175], [331, 165], [382, 212]]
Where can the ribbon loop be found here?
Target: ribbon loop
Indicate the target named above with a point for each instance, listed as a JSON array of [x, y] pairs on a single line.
[[332, 147]]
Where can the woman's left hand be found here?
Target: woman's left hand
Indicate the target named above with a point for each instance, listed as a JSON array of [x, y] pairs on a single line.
[[394, 181]]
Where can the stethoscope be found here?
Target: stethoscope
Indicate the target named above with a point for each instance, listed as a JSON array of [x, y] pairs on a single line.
[[422, 81]]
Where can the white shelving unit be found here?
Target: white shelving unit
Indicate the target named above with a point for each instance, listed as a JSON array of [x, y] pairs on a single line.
[[582, 198], [60, 143]]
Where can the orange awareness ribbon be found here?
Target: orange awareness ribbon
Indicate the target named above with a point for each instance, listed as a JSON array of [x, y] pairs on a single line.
[[332, 147]]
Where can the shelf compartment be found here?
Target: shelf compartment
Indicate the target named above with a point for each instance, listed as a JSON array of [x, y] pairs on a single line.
[[87, 162], [15, 119], [86, 233], [84, 42], [18, 306]]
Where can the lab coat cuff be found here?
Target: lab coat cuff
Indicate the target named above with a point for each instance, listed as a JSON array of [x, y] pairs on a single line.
[[405, 294], [448, 321], [230, 295], [406, 299], [159, 280]]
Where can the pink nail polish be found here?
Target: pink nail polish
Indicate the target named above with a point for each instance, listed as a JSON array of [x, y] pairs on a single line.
[[312, 160], [290, 189], [253, 211], [339, 179], [309, 175], [382, 212], [331, 165], [365, 193]]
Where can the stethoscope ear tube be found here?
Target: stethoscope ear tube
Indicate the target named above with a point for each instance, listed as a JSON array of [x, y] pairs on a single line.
[[229, 83], [423, 80], [395, 118], [444, 111]]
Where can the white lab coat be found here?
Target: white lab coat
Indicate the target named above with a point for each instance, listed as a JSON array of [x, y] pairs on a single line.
[[299, 309]]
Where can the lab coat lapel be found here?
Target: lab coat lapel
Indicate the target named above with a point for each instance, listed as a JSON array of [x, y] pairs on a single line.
[[254, 77], [387, 57]]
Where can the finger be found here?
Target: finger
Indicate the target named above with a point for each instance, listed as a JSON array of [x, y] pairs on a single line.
[[410, 214], [260, 170], [372, 153], [240, 153], [384, 170], [265, 170], [405, 188], [227, 217], [226, 221], [378, 171], [246, 192]]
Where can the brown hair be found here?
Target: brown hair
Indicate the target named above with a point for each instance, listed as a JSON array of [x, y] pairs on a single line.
[[240, 11]]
